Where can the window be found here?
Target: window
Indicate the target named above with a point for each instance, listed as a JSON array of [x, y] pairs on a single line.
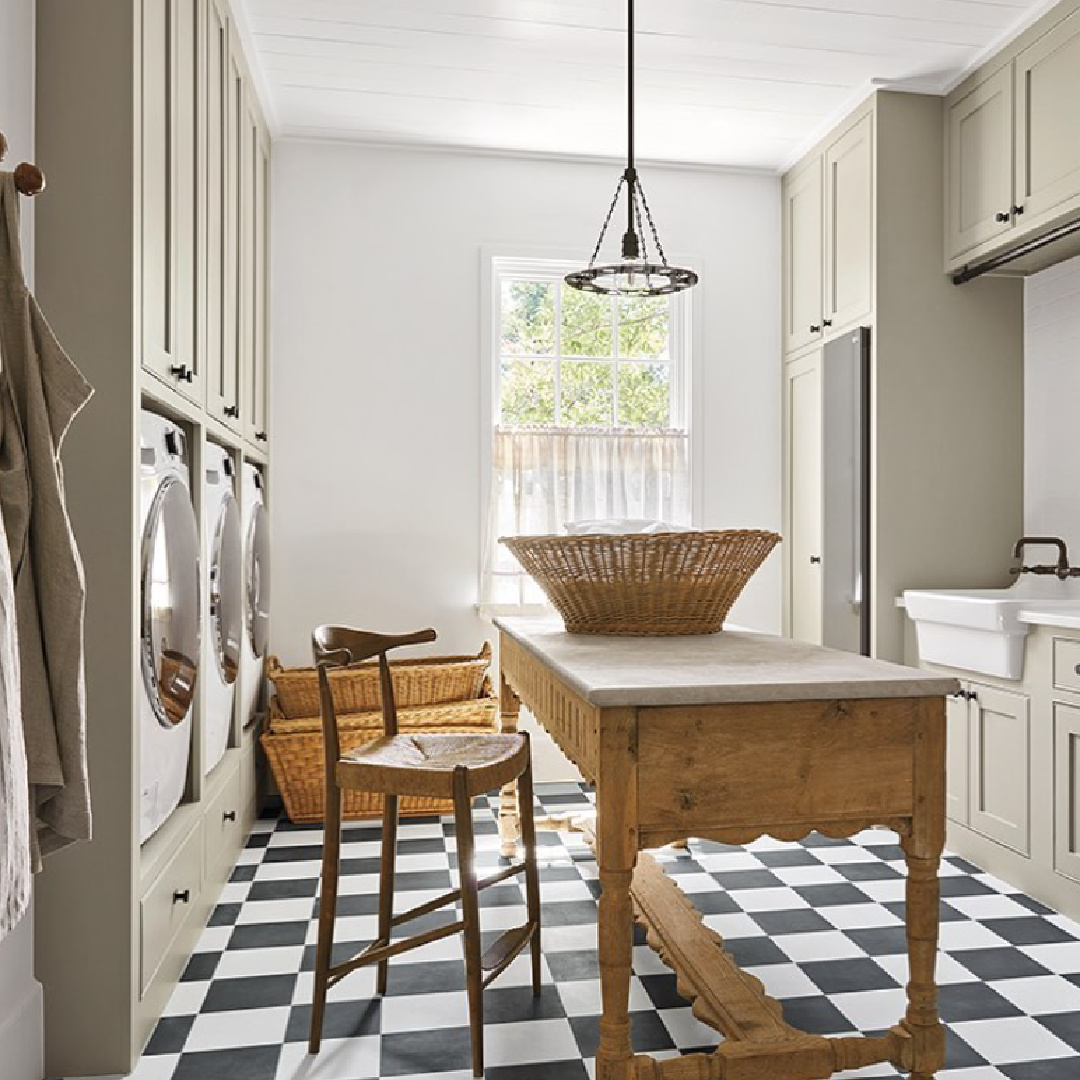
[[590, 411]]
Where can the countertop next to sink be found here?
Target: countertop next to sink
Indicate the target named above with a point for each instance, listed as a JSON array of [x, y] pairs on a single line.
[[1067, 618]]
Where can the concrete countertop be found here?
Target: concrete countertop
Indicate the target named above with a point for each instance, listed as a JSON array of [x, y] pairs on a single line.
[[712, 669]]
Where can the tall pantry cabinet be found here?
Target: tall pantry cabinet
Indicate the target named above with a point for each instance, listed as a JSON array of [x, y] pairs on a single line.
[[151, 265], [863, 221]]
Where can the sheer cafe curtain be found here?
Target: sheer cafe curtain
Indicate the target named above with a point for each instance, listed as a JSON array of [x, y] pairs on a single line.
[[543, 478]]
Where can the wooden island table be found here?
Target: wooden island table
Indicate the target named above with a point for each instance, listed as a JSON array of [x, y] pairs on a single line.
[[730, 737]]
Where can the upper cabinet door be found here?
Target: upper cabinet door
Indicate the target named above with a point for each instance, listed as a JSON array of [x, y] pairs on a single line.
[[1048, 124], [979, 165], [849, 226], [171, 156], [802, 257], [222, 372]]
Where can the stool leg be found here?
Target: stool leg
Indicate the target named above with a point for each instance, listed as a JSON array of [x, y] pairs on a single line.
[[331, 868], [470, 910], [532, 876], [386, 882]]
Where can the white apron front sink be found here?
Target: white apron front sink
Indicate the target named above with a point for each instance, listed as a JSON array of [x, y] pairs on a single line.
[[980, 629]]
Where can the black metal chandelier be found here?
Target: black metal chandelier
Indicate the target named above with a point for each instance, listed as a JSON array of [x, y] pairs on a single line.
[[636, 274]]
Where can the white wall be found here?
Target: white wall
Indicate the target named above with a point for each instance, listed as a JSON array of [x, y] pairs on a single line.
[[20, 995], [377, 368], [1051, 394]]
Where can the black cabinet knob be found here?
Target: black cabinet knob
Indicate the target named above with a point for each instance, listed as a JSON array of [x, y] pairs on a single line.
[[1017, 211], [815, 560], [182, 372], [179, 897], [232, 410], [826, 322], [260, 436], [1077, 669], [1005, 216], [229, 815], [815, 329]]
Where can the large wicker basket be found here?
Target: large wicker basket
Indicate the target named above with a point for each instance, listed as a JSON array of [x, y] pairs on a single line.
[[294, 748], [644, 583], [434, 680]]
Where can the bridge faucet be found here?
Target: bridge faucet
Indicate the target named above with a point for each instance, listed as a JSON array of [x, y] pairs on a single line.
[[1061, 570]]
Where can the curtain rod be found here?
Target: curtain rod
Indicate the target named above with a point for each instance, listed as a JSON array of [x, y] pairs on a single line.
[[29, 179]]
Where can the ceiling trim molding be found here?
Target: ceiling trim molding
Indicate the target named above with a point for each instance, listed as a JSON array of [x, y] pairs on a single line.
[[255, 66], [348, 137]]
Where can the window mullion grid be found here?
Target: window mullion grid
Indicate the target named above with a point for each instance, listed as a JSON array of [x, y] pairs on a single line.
[[558, 355]]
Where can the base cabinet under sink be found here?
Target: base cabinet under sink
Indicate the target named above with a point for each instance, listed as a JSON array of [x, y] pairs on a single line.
[[1013, 771]]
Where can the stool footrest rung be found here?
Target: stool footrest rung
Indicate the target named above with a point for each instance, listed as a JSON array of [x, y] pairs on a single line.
[[454, 896], [505, 948], [379, 950]]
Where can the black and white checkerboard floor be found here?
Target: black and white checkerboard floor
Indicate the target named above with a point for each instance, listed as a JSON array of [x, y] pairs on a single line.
[[819, 922]]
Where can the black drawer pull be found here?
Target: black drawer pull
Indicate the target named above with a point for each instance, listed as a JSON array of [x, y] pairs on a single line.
[[233, 411], [260, 436], [229, 815], [1077, 669], [179, 897], [182, 372]]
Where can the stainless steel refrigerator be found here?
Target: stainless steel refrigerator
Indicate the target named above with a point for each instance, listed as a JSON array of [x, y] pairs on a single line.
[[845, 392]]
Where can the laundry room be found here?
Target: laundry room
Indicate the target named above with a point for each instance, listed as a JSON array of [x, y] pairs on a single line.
[[537, 538]]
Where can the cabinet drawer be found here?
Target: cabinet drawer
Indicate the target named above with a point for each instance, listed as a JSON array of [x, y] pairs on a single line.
[[1067, 664], [168, 903], [223, 823]]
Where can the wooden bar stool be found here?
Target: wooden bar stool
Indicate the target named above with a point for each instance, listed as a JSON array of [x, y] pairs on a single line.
[[455, 766]]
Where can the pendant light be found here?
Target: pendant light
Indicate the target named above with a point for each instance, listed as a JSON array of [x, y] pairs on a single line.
[[636, 274]]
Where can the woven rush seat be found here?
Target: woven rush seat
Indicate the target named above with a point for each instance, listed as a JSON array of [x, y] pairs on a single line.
[[421, 764]]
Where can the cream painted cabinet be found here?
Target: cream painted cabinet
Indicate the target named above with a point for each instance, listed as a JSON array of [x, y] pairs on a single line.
[[988, 753], [171, 153], [222, 357], [1067, 790], [849, 226], [1000, 752], [803, 257], [1047, 77], [957, 756], [804, 463], [256, 168], [978, 163]]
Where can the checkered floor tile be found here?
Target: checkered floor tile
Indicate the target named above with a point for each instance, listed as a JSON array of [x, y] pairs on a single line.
[[820, 923]]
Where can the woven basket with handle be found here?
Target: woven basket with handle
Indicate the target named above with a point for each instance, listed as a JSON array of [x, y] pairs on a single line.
[[430, 680], [644, 583]]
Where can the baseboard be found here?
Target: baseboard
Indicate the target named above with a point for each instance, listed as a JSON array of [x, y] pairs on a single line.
[[20, 1038]]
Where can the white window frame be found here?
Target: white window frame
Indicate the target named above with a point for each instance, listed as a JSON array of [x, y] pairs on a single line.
[[685, 348]]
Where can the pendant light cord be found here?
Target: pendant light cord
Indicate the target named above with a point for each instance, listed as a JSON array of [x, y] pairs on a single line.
[[630, 86]]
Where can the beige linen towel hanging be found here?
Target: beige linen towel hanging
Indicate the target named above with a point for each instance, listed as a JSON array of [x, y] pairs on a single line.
[[41, 391], [14, 795]]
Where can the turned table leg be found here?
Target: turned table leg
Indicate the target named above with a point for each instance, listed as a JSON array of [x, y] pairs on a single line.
[[922, 850], [509, 821]]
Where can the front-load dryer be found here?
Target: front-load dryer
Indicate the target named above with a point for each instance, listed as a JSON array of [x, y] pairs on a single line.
[[256, 589], [169, 636], [223, 558]]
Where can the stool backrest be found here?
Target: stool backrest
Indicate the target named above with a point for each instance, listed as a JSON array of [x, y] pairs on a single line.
[[339, 646]]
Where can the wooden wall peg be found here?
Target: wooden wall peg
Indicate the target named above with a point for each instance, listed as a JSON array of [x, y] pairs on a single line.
[[29, 179]]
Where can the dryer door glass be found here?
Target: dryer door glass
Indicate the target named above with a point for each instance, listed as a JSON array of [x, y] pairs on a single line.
[[226, 605], [258, 582], [170, 603]]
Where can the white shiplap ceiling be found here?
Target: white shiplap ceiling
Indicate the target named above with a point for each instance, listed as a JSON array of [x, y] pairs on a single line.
[[742, 83]]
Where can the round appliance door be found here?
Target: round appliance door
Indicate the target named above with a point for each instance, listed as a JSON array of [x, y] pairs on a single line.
[[226, 605], [170, 603], [258, 580]]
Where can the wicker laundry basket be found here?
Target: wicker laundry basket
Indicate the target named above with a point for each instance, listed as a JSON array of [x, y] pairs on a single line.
[[644, 583], [431, 680]]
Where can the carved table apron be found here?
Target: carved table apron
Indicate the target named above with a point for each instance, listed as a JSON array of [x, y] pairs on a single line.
[[797, 739]]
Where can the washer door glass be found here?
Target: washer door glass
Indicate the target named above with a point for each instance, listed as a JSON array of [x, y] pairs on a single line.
[[258, 580], [170, 603], [226, 605]]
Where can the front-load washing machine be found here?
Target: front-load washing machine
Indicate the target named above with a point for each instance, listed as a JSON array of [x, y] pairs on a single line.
[[223, 558], [169, 643], [256, 589]]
